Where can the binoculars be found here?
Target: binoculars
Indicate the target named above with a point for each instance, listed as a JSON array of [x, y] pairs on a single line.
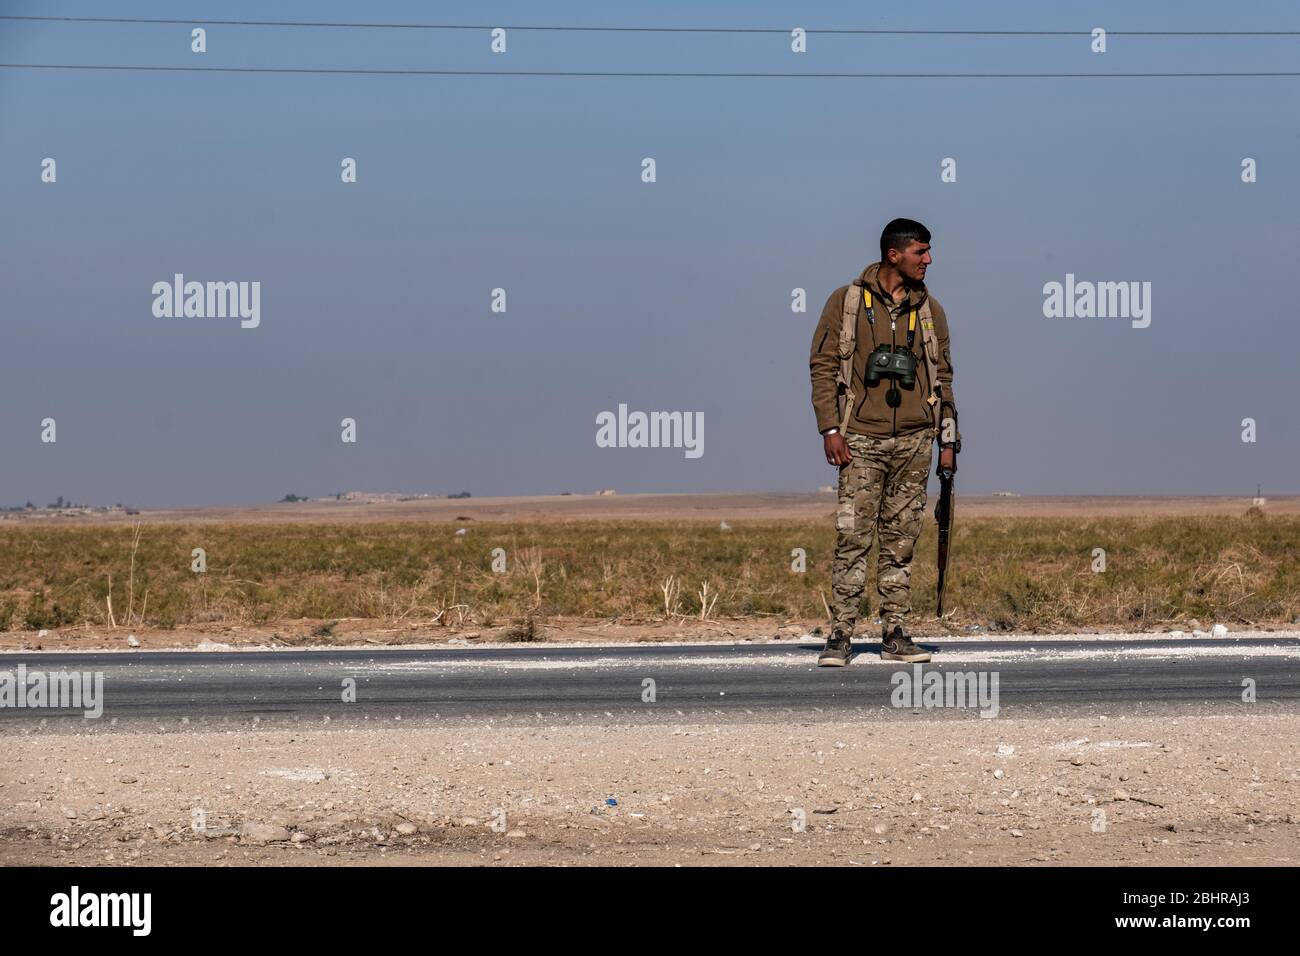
[[889, 361]]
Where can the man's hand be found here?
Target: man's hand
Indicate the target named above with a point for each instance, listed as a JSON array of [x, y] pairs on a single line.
[[947, 460], [837, 449]]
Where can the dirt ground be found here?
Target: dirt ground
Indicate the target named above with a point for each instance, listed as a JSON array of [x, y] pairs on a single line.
[[1203, 790]]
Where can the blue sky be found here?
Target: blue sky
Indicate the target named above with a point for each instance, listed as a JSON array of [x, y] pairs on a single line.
[[375, 296]]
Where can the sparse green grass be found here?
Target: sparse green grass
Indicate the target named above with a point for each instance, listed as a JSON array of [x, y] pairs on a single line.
[[1009, 573]]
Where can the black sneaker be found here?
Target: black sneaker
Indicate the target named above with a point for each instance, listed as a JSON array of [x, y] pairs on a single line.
[[838, 650], [897, 646]]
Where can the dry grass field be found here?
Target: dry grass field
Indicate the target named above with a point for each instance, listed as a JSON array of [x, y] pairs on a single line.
[[515, 563]]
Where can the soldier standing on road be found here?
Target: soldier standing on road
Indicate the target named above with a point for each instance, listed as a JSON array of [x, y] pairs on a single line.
[[878, 427]]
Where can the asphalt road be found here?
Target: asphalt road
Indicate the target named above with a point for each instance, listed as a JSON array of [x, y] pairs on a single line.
[[769, 681]]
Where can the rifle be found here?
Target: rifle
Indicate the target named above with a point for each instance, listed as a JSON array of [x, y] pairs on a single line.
[[943, 514], [943, 510]]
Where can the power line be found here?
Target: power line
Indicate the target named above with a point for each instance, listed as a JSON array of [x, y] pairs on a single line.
[[634, 74], [615, 29]]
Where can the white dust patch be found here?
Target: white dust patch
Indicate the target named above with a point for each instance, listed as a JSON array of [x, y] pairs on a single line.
[[788, 660], [309, 774], [600, 663], [1175, 652], [1082, 743]]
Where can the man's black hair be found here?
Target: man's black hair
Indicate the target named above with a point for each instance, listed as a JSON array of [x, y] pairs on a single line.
[[899, 234]]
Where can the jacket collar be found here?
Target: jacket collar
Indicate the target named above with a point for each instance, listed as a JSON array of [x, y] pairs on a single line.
[[916, 291]]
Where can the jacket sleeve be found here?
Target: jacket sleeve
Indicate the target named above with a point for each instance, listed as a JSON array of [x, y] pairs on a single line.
[[824, 361], [944, 370]]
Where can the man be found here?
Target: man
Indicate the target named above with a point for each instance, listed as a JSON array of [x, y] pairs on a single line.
[[878, 429]]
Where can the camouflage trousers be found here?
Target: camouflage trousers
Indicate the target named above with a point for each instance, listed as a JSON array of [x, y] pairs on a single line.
[[882, 492]]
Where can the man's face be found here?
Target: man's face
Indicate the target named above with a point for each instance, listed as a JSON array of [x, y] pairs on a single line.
[[912, 262]]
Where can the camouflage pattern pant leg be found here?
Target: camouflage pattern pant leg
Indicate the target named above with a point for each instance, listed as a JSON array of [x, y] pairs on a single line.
[[901, 512], [882, 491]]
